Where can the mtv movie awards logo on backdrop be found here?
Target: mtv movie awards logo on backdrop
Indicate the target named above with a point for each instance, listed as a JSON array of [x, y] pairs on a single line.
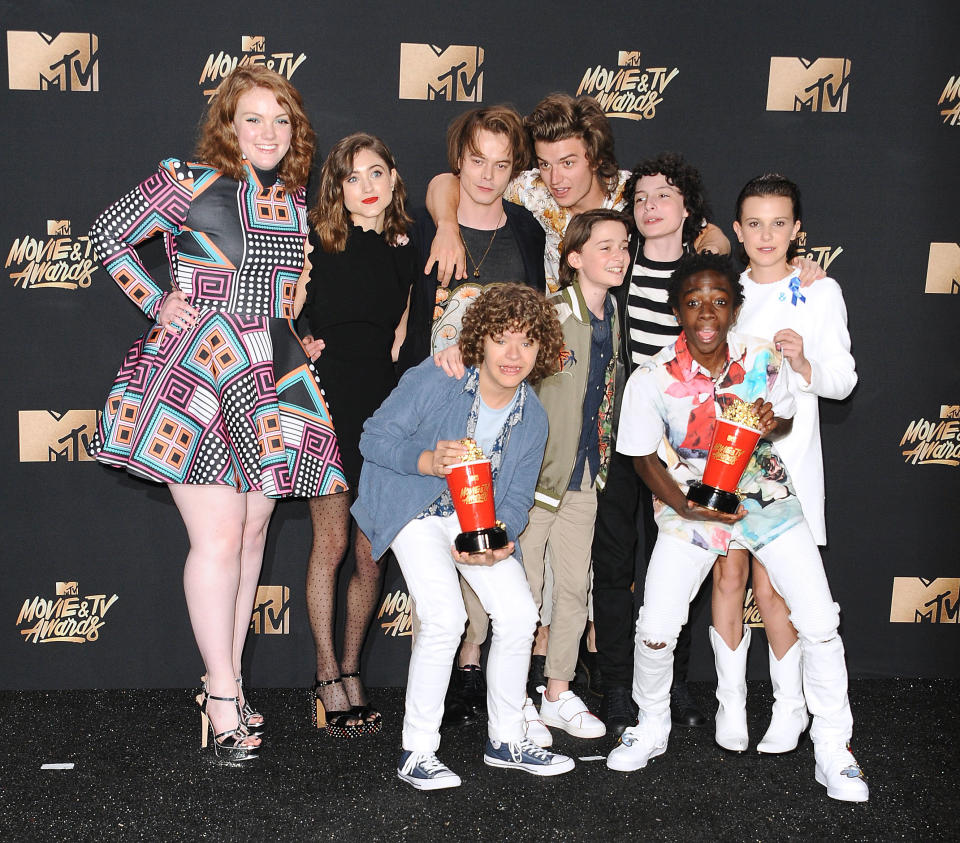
[[66, 618], [253, 50], [943, 268], [49, 436], [58, 260], [797, 84], [934, 442], [271, 610], [751, 612], [950, 101], [823, 255], [65, 62], [628, 90], [429, 72], [919, 600], [394, 615]]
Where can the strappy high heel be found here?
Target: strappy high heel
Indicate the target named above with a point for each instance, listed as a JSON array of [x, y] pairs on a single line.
[[229, 744], [372, 718], [334, 723], [249, 716]]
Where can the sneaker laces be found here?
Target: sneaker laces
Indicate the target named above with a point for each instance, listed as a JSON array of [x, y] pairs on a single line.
[[427, 761], [530, 748]]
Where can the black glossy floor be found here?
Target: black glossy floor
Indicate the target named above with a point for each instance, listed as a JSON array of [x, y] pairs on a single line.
[[139, 775]]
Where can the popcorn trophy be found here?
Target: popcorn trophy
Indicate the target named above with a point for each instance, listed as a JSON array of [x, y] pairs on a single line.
[[734, 439], [471, 487]]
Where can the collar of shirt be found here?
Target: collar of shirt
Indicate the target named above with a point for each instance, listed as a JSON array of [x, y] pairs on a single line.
[[690, 368]]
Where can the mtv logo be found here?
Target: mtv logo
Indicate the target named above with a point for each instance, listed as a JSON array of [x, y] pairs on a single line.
[[252, 43], [797, 84], [37, 61], [950, 411], [453, 73], [58, 228], [271, 610], [943, 268], [49, 436], [65, 589], [628, 58], [801, 239], [920, 600]]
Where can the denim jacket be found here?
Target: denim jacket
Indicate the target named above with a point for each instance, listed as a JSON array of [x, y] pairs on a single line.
[[428, 406]]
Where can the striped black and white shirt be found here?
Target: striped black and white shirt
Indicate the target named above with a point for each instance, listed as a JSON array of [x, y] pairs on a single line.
[[650, 320]]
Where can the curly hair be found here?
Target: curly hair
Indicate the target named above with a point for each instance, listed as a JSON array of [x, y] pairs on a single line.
[[329, 216], [560, 116], [497, 119], [513, 307], [770, 184], [691, 264], [684, 177], [578, 233], [218, 145]]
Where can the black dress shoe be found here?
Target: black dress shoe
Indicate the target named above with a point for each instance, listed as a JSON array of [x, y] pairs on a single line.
[[617, 710], [683, 710], [456, 712], [473, 687]]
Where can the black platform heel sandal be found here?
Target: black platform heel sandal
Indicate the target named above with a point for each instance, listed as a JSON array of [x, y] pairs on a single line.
[[228, 745], [248, 714], [372, 718], [334, 723]]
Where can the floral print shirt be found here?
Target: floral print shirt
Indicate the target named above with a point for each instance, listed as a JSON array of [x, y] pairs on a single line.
[[670, 406]]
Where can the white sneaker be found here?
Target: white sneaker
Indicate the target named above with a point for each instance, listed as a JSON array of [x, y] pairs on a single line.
[[638, 744], [838, 771], [571, 714], [535, 728]]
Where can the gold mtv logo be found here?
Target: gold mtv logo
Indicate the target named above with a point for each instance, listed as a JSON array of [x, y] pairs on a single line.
[[65, 62], [66, 589], [49, 436], [797, 84], [919, 600], [751, 612], [628, 58], [950, 411], [943, 268], [252, 44], [58, 228], [271, 610], [453, 73]]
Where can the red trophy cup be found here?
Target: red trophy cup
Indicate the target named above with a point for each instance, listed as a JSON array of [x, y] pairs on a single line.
[[730, 451], [471, 487]]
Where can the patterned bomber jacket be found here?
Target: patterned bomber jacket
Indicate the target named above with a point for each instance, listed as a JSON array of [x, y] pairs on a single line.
[[562, 395]]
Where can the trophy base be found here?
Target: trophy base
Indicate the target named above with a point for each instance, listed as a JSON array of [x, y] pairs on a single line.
[[477, 541], [718, 500]]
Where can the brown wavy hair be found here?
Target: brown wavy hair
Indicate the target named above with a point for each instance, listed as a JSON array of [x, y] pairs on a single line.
[[513, 307], [578, 233], [498, 119], [560, 116], [329, 216], [218, 143]]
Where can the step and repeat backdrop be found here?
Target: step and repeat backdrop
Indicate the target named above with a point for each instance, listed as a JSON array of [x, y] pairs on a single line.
[[859, 103]]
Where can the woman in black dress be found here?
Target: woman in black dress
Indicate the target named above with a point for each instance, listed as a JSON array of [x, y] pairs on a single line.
[[356, 302]]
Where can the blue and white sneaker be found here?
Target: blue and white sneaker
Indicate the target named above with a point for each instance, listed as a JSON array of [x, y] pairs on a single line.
[[425, 771], [527, 756]]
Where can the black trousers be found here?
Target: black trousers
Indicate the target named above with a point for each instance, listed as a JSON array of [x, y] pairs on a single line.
[[622, 542]]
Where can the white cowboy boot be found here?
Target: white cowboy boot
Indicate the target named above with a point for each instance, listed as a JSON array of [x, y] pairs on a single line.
[[731, 720], [789, 718]]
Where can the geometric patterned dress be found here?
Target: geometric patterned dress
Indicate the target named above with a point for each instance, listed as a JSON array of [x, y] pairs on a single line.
[[234, 400]]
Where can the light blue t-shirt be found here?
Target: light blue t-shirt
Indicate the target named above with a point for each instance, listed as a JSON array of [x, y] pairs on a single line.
[[489, 424]]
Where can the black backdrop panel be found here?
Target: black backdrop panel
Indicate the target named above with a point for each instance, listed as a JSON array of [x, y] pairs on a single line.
[[96, 557]]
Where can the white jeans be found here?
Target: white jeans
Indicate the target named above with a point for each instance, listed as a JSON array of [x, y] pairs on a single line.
[[422, 548], [676, 571]]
